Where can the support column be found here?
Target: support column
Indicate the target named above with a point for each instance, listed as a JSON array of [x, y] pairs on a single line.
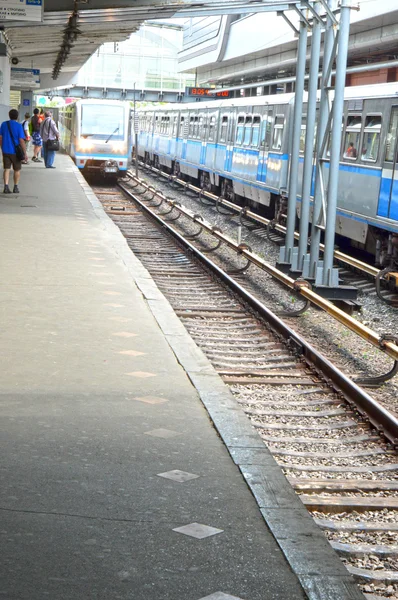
[[5, 83], [337, 114], [298, 262], [310, 270], [286, 253]]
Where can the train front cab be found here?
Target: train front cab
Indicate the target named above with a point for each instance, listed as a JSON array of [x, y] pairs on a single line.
[[102, 141]]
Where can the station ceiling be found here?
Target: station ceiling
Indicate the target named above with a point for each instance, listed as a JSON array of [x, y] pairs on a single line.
[[37, 45]]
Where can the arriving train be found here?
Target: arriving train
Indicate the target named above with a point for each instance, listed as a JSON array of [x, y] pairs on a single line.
[[240, 149], [96, 134]]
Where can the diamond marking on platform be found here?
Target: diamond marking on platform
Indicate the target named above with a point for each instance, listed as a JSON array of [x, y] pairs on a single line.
[[151, 399], [96, 258], [198, 531], [141, 374], [132, 353], [125, 334], [162, 433], [179, 476], [220, 596], [111, 293]]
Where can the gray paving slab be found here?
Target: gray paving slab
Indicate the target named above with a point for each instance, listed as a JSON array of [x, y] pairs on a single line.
[[86, 374]]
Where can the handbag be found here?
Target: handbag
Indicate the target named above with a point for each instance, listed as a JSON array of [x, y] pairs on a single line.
[[19, 152], [52, 145]]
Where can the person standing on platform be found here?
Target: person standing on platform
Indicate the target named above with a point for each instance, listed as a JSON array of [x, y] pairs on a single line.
[[12, 142], [48, 131], [35, 123], [25, 125]]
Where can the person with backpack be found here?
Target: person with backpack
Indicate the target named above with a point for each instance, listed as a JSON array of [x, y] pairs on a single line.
[[35, 123], [12, 142]]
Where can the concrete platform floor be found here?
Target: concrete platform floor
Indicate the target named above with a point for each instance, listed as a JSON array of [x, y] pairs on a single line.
[[107, 450]]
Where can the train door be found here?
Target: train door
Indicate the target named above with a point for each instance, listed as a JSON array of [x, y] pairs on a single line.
[[265, 138], [388, 199]]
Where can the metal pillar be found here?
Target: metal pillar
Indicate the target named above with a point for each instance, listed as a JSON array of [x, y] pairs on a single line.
[[310, 269], [286, 254], [298, 264], [337, 114], [135, 129]]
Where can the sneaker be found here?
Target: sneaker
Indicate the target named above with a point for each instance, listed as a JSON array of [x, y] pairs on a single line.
[[6, 190], [34, 159], [51, 167], [15, 190]]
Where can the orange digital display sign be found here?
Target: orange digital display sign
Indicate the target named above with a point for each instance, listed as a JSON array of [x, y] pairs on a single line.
[[203, 92]]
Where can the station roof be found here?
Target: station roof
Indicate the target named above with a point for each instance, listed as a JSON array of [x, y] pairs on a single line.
[[37, 45]]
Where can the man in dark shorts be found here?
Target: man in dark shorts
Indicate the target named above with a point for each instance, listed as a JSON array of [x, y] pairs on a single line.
[[12, 134]]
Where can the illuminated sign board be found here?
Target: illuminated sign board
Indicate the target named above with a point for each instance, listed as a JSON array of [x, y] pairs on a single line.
[[21, 10], [200, 92], [25, 79]]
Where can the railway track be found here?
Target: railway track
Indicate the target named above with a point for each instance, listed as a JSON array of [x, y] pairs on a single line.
[[316, 422], [353, 271]]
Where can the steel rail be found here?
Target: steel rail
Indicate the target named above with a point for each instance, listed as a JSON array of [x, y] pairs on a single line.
[[340, 256], [381, 418], [301, 287]]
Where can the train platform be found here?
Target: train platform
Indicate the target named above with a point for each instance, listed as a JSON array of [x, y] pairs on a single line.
[[128, 470]]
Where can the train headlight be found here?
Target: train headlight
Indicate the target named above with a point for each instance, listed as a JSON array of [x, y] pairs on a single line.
[[118, 147], [85, 144]]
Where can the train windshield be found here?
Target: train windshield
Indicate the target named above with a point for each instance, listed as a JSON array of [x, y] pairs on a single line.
[[102, 121]]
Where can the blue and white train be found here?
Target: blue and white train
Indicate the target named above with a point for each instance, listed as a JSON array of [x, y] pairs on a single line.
[[240, 149], [96, 134]]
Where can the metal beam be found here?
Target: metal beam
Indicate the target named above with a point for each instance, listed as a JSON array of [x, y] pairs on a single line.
[[174, 96], [387, 64]]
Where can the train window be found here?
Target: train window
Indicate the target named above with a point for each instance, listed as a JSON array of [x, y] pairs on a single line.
[[239, 130], [278, 132], [352, 135], [224, 129], [266, 130], [302, 134], [371, 138], [196, 130], [247, 132], [212, 128], [191, 126], [256, 131], [391, 141], [174, 126], [201, 128]]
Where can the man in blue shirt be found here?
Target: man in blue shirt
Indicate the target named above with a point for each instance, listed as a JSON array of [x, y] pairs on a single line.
[[12, 134]]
